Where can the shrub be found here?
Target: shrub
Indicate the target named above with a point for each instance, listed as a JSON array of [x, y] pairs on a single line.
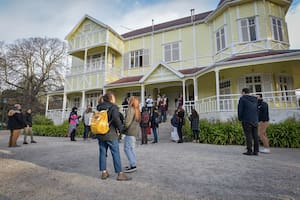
[[285, 134], [41, 120]]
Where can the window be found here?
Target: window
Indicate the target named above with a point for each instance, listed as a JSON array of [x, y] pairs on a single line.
[[76, 102], [285, 84], [226, 102], [220, 39], [171, 52], [254, 84], [139, 58], [112, 60], [248, 29], [277, 29], [96, 61]]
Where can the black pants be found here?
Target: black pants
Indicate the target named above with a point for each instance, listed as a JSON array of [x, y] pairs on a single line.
[[250, 131], [179, 131], [73, 135], [196, 134]]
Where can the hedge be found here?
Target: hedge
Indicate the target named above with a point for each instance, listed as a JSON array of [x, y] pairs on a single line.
[[285, 134]]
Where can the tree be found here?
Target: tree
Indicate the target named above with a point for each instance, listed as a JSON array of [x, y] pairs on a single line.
[[33, 66]]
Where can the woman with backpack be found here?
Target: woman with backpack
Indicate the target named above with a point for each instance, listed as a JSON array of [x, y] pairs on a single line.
[[145, 118], [131, 122], [73, 123]]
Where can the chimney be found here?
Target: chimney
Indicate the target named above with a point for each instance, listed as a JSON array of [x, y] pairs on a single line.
[[192, 15]]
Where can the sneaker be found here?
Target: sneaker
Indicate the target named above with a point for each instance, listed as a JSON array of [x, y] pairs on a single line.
[[255, 153], [33, 141], [264, 150], [248, 153], [127, 167], [25, 142], [104, 175], [122, 177], [131, 169]]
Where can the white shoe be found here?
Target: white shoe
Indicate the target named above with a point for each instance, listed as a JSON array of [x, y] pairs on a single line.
[[264, 150]]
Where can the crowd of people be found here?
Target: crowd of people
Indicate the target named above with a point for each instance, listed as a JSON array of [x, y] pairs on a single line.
[[252, 112]]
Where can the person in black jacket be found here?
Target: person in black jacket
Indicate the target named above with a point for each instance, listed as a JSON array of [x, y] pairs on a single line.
[[263, 123], [110, 139], [194, 119], [15, 124], [247, 114], [181, 122], [28, 126]]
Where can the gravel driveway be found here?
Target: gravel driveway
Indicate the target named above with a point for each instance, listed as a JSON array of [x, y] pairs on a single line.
[[56, 168]]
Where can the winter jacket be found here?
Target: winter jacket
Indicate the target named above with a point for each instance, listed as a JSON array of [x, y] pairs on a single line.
[[15, 120], [263, 111], [194, 122], [154, 119], [247, 109], [115, 124], [132, 126], [28, 119]]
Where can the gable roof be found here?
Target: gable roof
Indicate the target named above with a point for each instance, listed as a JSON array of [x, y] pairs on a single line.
[[93, 20], [178, 22]]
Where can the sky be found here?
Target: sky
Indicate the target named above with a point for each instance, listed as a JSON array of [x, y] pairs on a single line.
[[56, 18]]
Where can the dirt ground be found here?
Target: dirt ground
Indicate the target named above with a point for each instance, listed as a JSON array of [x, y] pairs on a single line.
[[56, 168]]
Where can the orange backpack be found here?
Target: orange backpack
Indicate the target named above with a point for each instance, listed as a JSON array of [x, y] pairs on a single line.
[[99, 122]]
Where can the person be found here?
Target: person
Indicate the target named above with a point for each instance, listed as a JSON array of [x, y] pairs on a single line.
[[15, 124], [131, 122], [149, 103], [194, 119], [247, 114], [73, 123], [86, 118], [28, 127], [145, 119], [154, 123], [263, 123], [162, 106], [180, 100], [181, 121], [125, 103], [110, 139], [174, 123]]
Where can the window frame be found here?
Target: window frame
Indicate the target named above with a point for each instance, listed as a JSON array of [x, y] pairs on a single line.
[[137, 58], [218, 34], [174, 51], [281, 33], [248, 28]]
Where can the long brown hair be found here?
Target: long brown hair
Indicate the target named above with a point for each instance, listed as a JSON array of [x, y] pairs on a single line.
[[134, 102]]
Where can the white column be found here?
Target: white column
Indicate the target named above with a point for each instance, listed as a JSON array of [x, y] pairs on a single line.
[[85, 59], [217, 89], [195, 89], [64, 107], [47, 105], [183, 92], [83, 101], [142, 95]]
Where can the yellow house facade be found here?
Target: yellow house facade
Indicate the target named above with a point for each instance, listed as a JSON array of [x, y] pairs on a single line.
[[208, 58]]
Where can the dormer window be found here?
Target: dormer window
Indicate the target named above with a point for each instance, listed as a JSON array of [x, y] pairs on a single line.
[[248, 29]]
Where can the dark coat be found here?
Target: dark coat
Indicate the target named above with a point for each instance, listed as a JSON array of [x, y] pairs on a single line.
[[154, 119], [115, 122], [247, 109], [28, 119], [194, 122], [15, 120], [263, 111]]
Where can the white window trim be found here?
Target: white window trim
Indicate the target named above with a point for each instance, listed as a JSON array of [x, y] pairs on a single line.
[[225, 35], [282, 28], [163, 52], [256, 29]]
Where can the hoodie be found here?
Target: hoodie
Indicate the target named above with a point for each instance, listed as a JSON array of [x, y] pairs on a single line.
[[247, 109]]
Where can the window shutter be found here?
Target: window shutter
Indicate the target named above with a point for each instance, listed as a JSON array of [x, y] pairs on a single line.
[[146, 59], [126, 60]]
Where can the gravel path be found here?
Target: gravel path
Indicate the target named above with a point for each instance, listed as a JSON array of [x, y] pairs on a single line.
[[56, 168]]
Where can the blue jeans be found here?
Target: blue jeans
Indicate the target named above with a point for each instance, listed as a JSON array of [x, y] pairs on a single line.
[[129, 149], [154, 130], [87, 130], [115, 152]]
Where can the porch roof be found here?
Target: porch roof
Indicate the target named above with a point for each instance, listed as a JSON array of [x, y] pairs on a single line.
[[125, 80], [190, 70], [260, 54]]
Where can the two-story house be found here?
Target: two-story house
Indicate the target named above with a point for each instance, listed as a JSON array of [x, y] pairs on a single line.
[[208, 58]]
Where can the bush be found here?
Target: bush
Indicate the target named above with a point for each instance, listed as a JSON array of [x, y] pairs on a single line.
[[41, 120], [55, 131], [285, 134]]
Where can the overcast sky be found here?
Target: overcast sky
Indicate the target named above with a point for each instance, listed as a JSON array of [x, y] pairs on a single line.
[[56, 18]]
